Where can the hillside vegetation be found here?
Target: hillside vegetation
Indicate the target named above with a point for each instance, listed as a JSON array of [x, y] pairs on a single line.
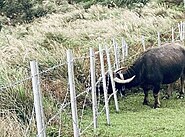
[[47, 38], [53, 27]]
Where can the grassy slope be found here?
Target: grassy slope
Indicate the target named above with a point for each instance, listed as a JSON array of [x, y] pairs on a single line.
[[76, 28], [47, 38], [134, 119]]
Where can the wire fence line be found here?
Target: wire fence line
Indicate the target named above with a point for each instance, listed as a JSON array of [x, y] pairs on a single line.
[[64, 106], [8, 85], [13, 84]]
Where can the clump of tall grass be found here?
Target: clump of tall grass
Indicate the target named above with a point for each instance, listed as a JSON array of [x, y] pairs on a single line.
[[10, 125]]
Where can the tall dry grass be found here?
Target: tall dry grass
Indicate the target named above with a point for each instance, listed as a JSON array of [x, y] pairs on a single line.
[[11, 126], [47, 39]]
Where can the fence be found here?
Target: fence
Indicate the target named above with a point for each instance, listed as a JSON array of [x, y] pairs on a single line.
[[59, 106]]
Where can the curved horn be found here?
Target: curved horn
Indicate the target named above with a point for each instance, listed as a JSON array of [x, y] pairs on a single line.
[[124, 81], [122, 68]]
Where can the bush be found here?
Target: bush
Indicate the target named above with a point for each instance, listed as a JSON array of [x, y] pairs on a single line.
[[173, 2], [19, 11], [119, 3]]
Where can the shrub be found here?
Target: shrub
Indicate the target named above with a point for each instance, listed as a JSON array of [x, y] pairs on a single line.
[[19, 11], [119, 3], [173, 2]]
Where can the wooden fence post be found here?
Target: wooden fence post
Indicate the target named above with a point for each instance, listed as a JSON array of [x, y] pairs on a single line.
[[104, 85], [93, 85], [180, 30], [37, 99], [111, 78], [173, 38], [143, 42], [72, 93], [116, 54], [123, 49], [183, 31]]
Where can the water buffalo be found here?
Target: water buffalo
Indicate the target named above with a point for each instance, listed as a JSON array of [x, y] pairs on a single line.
[[156, 66]]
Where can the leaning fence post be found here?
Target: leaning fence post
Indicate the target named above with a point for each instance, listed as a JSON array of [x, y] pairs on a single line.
[[111, 78], [116, 54], [104, 85], [173, 37], [143, 42], [72, 93], [183, 31], [180, 30], [93, 83], [123, 49], [37, 99]]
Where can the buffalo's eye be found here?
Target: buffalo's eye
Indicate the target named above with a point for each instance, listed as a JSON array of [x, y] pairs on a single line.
[[119, 75]]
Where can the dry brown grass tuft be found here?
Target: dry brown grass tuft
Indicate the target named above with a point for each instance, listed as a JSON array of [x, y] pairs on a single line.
[[11, 126]]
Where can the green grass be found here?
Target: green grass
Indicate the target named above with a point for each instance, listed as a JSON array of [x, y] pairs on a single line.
[[137, 120]]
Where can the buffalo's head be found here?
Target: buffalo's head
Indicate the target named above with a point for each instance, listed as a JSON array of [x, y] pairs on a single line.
[[119, 76]]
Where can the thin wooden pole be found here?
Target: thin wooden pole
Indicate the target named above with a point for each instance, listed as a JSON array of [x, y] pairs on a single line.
[[93, 83], [183, 31], [72, 93], [123, 49], [173, 38], [115, 54], [37, 99], [118, 54], [180, 30], [111, 78], [104, 85]]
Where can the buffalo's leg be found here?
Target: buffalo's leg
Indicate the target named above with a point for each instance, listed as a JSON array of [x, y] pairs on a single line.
[[169, 91], [146, 100], [182, 87], [156, 96]]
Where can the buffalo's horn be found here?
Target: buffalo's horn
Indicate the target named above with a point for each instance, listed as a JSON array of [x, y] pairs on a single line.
[[122, 68], [122, 81]]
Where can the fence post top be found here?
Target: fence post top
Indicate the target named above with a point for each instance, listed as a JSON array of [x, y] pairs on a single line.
[[33, 61]]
